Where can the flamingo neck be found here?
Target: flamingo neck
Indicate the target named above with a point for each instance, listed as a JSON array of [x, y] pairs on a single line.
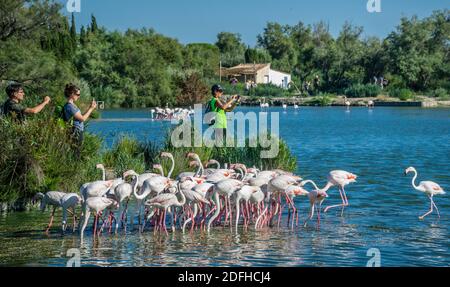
[[327, 186], [199, 171], [172, 167], [413, 181]]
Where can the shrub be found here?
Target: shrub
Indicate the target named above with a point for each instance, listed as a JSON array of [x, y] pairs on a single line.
[[402, 94], [361, 91], [440, 93], [36, 157]]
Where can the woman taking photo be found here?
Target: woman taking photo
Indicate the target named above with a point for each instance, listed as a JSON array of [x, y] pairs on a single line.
[[72, 115]]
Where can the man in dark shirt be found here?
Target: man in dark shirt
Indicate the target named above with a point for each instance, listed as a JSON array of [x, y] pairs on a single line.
[[12, 106]]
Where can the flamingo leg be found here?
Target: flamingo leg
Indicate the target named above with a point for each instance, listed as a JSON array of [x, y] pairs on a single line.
[[51, 220], [311, 214], [437, 210], [430, 211], [337, 205]]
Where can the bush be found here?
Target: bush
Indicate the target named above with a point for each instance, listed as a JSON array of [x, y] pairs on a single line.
[[441, 94], [37, 157], [322, 100], [402, 94], [361, 91]]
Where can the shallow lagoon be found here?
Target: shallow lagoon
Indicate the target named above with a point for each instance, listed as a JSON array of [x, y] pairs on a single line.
[[374, 144]]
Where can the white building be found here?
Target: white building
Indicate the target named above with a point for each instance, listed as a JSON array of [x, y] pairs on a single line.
[[258, 73]]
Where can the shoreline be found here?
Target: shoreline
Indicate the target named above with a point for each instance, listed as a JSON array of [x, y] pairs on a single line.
[[340, 101]]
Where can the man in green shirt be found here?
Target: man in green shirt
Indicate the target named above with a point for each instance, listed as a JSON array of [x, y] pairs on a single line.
[[12, 106], [220, 125]]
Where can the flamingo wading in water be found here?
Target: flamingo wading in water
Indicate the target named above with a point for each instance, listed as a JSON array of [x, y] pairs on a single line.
[[429, 187]]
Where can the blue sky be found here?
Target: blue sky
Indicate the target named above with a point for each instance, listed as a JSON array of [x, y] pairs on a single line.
[[192, 21]]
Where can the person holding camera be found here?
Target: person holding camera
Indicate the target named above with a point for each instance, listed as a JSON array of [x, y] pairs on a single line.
[[13, 107], [71, 114], [216, 105]]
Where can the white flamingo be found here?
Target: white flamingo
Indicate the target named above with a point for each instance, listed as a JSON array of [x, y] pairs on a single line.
[[96, 204], [164, 201], [52, 198], [339, 178], [245, 193], [226, 188], [430, 188], [315, 196]]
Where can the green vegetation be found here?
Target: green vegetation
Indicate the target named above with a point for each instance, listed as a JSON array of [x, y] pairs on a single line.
[[402, 94], [360, 91], [38, 157], [138, 68]]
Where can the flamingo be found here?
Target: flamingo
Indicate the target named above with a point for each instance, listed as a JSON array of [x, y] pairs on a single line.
[[226, 188], [370, 104], [316, 196], [347, 103], [430, 188], [340, 178], [52, 198], [245, 193], [69, 201], [155, 184], [164, 201], [97, 204], [194, 197], [123, 192], [170, 156]]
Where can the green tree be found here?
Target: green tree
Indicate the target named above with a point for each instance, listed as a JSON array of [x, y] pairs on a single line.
[[231, 48]]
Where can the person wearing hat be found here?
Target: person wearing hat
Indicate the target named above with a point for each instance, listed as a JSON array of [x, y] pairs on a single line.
[[13, 107], [216, 105]]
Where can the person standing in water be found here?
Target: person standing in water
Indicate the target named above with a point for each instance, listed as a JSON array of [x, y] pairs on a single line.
[[220, 119]]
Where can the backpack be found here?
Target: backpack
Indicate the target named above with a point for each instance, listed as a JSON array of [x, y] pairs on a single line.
[[210, 109]]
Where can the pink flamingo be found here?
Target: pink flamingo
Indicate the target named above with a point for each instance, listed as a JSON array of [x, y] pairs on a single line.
[[340, 178], [430, 188], [164, 201], [97, 204], [316, 196]]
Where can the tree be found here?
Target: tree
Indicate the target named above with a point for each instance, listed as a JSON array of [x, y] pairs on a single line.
[[231, 48], [193, 91], [94, 26], [276, 41]]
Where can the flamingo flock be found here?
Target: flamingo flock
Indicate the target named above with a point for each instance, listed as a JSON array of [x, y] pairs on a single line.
[[170, 114], [211, 196]]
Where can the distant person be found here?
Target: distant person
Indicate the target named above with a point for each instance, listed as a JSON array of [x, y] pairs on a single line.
[[316, 82], [382, 82], [13, 108], [72, 115], [220, 119], [375, 80]]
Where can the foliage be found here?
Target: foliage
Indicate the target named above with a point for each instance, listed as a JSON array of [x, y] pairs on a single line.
[[34, 157], [402, 94], [360, 91], [440, 94], [193, 91]]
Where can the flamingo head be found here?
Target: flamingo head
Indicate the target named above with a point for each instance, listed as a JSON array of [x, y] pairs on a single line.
[[409, 169], [165, 154], [157, 166], [100, 166], [191, 155], [128, 173], [193, 163]]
